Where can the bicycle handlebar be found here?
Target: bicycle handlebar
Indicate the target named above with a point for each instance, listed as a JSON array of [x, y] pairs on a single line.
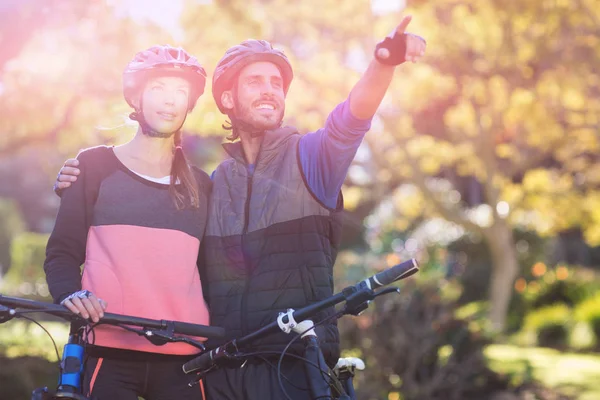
[[184, 328], [390, 275], [202, 362], [393, 274]]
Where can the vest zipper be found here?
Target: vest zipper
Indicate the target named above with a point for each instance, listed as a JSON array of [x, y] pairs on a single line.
[[244, 232], [247, 206]]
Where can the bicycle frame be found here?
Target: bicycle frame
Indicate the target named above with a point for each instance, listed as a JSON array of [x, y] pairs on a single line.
[[355, 298], [71, 366]]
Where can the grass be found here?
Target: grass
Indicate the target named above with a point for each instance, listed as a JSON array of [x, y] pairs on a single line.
[[577, 375]]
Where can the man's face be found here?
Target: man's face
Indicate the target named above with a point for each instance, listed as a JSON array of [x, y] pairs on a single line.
[[259, 98], [165, 104]]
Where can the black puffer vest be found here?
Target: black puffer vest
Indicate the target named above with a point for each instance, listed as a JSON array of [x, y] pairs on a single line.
[[269, 245]]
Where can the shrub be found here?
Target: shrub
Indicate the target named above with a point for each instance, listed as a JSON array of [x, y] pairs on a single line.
[[588, 311], [550, 324], [26, 275], [415, 344]]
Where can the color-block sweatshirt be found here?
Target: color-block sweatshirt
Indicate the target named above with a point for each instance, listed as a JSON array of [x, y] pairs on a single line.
[[139, 253]]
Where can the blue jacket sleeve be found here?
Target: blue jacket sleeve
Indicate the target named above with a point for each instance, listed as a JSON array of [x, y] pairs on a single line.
[[326, 155]]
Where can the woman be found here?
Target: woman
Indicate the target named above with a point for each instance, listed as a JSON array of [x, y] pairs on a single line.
[[135, 219]]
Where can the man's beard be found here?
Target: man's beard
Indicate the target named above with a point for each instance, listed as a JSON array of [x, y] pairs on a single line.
[[245, 115]]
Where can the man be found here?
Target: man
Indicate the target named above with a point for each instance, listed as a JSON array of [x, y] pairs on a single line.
[[274, 219]]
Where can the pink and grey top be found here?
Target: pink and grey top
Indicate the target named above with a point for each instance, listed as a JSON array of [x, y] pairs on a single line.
[[139, 253]]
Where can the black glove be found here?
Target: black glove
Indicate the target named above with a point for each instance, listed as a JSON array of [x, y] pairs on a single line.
[[396, 45]]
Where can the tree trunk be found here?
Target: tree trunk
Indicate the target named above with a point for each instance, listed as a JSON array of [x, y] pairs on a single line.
[[505, 268]]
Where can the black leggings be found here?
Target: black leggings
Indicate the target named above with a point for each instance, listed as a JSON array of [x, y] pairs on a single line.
[[257, 381], [121, 379]]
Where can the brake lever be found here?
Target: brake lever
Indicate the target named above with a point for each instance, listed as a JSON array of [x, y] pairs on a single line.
[[160, 337], [358, 301], [174, 339], [6, 314], [387, 291]]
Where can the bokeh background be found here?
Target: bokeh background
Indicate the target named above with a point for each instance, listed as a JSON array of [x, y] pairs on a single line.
[[483, 163]]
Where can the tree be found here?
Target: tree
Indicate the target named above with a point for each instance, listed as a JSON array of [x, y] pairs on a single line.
[[21, 19], [61, 74], [60, 91], [509, 98]]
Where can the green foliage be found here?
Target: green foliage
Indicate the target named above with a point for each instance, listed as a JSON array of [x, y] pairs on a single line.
[[550, 325], [588, 311], [476, 314], [421, 345], [553, 288], [20, 338], [26, 276], [545, 307], [27, 357], [11, 224], [425, 345], [540, 287]]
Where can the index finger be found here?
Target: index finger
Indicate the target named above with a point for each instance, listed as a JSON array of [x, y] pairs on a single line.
[[403, 24]]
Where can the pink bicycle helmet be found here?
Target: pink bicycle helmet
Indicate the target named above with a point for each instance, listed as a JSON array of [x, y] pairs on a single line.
[[243, 54], [163, 59]]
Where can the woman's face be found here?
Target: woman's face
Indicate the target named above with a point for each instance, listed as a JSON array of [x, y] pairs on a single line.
[[165, 103]]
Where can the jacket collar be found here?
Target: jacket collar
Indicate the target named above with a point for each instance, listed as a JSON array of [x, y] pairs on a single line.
[[271, 141]]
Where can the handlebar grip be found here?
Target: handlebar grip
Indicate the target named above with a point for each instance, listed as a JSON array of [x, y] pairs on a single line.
[[213, 332], [395, 273], [203, 361]]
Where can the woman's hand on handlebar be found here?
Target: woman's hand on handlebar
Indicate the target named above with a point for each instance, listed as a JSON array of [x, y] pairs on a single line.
[[86, 304]]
